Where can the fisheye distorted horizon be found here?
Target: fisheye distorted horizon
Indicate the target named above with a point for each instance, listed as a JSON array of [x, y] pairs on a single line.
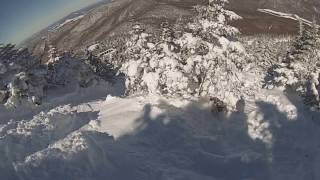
[[19, 19]]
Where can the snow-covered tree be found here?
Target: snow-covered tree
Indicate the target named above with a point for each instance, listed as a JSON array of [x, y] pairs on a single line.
[[165, 66], [301, 67], [212, 21], [53, 55], [70, 71], [214, 58], [266, 50], [304, 47], [179, 27], [22, 77], [137, 56], [206, 60], [101, 59], [156, 67]]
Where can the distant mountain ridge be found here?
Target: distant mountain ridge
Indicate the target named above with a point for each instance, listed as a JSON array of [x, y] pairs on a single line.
[[115, 18], [72, 15]]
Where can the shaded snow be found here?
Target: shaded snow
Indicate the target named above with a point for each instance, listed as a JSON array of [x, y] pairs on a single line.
[[144, 137], [95, 133]]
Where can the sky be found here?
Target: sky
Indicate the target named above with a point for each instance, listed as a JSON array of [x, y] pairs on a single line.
[[19, 19]]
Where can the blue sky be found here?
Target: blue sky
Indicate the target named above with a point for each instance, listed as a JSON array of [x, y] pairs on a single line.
[[19, 19]]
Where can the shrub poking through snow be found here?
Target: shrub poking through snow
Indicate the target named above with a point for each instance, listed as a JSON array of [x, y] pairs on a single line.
[[301, 67], [206, 60]]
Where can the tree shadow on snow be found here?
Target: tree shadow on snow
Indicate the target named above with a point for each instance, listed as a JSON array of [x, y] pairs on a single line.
[[181, 143], [193, 143], [295, 151]]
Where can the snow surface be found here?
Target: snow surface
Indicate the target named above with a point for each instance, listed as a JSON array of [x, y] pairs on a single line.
[[92, 134]]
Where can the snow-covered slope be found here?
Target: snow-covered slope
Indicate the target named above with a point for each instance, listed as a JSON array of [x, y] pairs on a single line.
[[152, 137], [187, 103], [107, 21], [94, 133]]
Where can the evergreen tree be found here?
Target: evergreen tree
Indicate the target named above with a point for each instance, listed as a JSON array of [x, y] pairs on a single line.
[[179, 27], [301, 67], [137, 56], [166, 65], [52, 55], [22, 77], [206, 60], [211, 20], [213, 57]]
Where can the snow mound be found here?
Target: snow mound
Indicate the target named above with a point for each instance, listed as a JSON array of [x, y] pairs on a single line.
[[142, 137]]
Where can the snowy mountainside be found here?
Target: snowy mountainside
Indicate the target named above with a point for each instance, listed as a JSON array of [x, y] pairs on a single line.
[[66, 22], [93, 133], [195, 100], [110, 21], [42, 33]]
